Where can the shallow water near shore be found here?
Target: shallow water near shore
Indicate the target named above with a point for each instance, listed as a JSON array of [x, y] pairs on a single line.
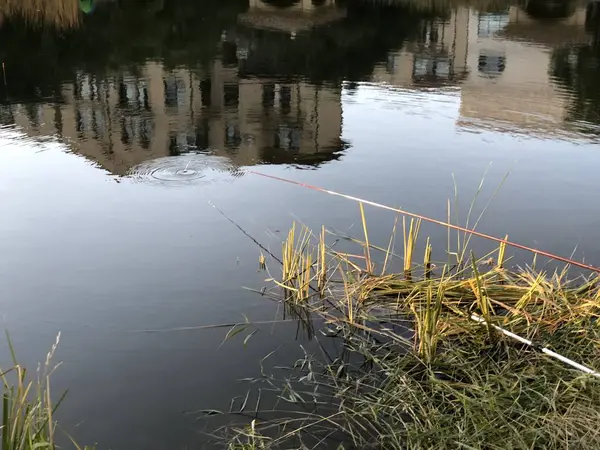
[[124, 124]]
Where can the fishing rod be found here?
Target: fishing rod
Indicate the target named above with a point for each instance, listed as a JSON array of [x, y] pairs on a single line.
[[435, 221], [544, 350]]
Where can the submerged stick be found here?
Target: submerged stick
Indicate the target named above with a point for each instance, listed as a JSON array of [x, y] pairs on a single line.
[[545, 350], [438, 222]]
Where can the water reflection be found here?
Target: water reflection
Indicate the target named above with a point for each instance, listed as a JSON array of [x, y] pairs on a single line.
[[503, 59], [291, 16], [185, 170], [122, 120], [179, 92], [60, 14], [269, 89], [119, 118]]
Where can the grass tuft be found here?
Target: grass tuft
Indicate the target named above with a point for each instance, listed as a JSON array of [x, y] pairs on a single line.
[[416, 370], [27, 409]]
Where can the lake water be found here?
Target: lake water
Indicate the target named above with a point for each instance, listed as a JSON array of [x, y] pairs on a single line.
[[124, 122]]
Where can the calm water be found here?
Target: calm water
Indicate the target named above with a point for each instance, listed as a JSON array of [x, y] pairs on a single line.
[[122, 120]]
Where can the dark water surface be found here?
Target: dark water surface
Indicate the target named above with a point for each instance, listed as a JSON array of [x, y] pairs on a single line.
[[123, 120]]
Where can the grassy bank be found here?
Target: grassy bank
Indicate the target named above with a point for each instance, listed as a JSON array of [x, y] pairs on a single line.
[[27, 421], [425, 360]]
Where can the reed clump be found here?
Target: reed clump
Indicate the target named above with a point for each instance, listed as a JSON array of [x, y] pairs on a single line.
[[416, 371], [27, 410], [62, 14]]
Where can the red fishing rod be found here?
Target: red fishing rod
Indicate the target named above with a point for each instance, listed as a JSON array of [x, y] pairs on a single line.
[[428, 219]]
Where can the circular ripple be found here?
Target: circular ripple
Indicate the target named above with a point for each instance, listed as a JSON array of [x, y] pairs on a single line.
[[185, 170]]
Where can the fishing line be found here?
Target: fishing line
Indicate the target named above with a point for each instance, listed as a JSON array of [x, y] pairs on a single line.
[[435, 221], [245, 233], [473, 316]]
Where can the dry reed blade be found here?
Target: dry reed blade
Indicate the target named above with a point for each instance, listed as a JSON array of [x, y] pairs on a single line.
[[369, 264], [390, 247], [348, 298], [427, 260], [482, 299], [322, 263], [410, 241], [427, 322], [501, 251], [528, 296], [455, 375]]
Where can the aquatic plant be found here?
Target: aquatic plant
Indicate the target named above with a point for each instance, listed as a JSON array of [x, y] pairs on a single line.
[[27, 409], [430, 357]]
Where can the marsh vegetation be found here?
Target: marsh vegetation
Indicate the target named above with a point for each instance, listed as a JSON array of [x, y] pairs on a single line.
[[431, 355]]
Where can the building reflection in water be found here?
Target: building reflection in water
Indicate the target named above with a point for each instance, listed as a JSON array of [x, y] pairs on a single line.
[[123, 119], [499, 60]]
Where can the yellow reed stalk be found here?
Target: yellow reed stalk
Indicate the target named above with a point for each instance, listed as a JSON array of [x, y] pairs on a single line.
[[427, 322], [533, 288], [448, 230], [306, 274], [369, 267], [501, 251], [262, 262], [410, 240], [321, 263], [427, 259], [288, 253], [482, 300], [348, 295], [390, 247]]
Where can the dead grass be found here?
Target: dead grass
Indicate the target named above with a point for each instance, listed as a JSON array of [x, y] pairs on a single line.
[[57, 13], [418, 372]]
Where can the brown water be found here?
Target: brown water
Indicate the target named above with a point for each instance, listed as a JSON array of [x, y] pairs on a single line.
[[124, 120]]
